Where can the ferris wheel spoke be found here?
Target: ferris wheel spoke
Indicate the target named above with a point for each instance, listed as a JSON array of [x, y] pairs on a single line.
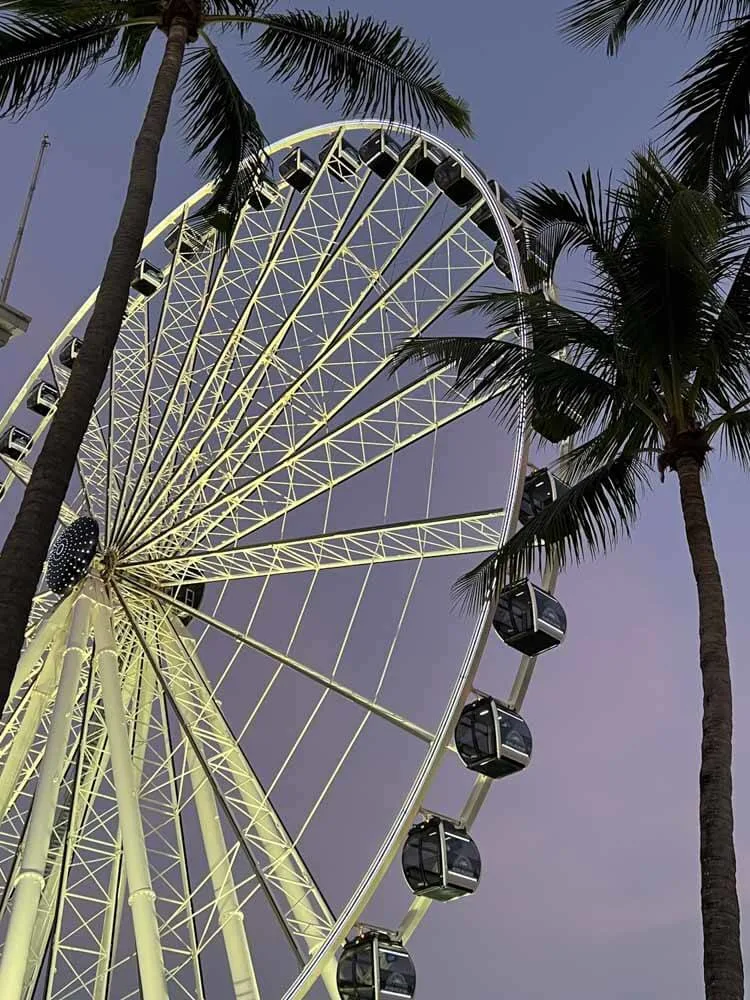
[[314, 310], [407, 416], [164, 842], [186, 288], [206, 345], [409, 305], [329, 683], [87, 464], [427, 538], [290, 267]]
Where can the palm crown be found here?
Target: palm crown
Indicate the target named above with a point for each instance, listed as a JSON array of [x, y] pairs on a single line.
[[360, 63], [656, 367]]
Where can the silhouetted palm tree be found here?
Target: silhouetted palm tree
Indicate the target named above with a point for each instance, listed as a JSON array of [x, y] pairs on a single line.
[[362, 64], [654, 370]]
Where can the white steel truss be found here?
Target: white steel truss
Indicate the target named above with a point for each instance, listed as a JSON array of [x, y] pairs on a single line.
[[249, 462]]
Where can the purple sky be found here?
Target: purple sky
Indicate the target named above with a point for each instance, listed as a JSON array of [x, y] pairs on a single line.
[[590, 858]]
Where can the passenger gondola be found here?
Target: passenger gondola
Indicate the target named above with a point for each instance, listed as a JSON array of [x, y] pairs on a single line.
[[422, 162], [298, 169], [491, 739], [540, 490], [484, 218], [344, 161], [454, 181], [42, 399], [190, 594], [187, 240], [69, 353], [529, 619], [381, 153], [263, 194], [147, 278], [375, 966], [15, 443], [440, 860]]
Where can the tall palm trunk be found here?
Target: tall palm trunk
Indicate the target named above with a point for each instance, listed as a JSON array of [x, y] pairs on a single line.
[[25, 549], [722, 954]]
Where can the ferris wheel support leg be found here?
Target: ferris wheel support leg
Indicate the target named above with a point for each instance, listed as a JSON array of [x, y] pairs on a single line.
[[21, 742], [141, 897], [230, 914], [30, 880], [40, 642]]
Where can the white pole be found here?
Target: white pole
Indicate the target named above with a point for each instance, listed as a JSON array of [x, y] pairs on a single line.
[[141, 896], [8, 276], [29, 883]]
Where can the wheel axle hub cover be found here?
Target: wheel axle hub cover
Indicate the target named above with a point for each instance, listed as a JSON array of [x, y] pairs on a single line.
[[71, 555]]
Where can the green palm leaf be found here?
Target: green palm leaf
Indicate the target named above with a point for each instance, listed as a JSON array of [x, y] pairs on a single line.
[[733, 432], [38, 57], [133, 42], [365, 64], [587, 519], [708, 120], [593, 22], [221, 127], [484, 364]]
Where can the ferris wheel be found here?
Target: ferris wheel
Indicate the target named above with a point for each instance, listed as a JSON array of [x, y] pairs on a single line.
[[257, 536]]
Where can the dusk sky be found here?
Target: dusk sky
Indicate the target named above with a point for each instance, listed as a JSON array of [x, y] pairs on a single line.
[[590, 883]]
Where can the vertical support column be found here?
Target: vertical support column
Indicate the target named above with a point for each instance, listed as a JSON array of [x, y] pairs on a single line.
[[29, 883], [230, 915], [141, 894]]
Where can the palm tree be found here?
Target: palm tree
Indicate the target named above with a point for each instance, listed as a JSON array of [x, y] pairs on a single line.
[[708, 120], [655, 369], [364, 65]]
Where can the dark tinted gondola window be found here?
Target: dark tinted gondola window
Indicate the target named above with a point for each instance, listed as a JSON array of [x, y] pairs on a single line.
[[514, 733], [422, 861], [397, 973], [462, 855], [514, 615], [475, 735], [550, 611]]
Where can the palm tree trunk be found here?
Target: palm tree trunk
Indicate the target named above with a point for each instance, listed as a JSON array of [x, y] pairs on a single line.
[[25, 550], [722, 954]]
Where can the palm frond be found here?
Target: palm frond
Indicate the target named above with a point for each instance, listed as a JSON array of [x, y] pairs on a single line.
[[722, 364], [733, 431], [731, 190], [590, 517], [707, 122], [237, 16], [133, 42], [220, 126], [588, 219], [503, 371], [554, 327], [40, 56], [592, 22], [73, 11], [367, 65]]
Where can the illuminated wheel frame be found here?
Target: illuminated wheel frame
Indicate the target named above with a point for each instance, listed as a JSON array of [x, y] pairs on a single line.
[[247, 392]]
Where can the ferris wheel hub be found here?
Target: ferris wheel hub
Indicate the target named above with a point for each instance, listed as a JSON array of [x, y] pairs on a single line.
[[72, 555]]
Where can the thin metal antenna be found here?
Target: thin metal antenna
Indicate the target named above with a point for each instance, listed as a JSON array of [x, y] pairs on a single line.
[[8, 277]]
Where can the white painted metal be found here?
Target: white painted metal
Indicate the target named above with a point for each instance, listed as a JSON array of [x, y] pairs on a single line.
[[30, 880], [240, 395]]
